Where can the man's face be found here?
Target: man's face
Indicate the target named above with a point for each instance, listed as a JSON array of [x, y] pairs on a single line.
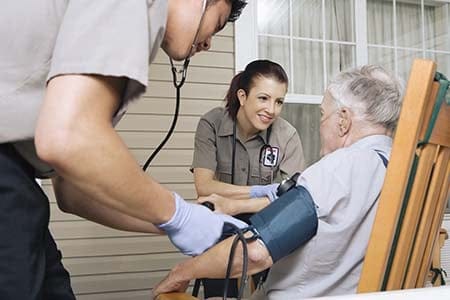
[[329, 125], [183, 23]]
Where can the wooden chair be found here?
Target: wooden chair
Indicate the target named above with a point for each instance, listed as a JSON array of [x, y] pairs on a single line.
[[415, 191], [435, 276], [176, 296], [414, 194]]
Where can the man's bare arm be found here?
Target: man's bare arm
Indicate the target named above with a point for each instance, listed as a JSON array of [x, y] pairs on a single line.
[[213, 264], [72, 200], [75, 135]]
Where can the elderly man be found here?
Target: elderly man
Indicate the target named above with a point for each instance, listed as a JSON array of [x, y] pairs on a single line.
[[359, 113]]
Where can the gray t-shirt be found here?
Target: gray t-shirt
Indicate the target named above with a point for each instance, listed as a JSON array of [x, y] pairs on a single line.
[[345, 186], [41, 39]]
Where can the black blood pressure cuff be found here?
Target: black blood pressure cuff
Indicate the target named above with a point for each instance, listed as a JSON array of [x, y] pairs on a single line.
[[287, 223]]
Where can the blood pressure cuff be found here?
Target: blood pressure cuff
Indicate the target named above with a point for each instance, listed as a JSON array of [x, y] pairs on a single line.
[[287, 223]]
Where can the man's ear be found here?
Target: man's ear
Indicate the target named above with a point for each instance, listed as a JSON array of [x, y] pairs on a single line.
[[345, 121], [242, 96]]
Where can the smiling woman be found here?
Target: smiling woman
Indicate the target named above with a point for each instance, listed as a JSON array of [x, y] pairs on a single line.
[[246, 143]]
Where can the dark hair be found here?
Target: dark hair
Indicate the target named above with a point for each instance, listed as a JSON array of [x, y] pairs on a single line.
[[245, 80], [236, 8]]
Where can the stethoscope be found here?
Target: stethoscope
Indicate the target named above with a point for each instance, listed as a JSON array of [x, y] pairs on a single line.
[[262, 154], [177, 84]]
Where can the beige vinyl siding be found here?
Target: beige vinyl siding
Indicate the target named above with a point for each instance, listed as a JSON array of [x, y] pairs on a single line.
[[109, 264]]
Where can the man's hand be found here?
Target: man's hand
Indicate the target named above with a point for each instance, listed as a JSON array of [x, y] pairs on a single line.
[[173, 282], [194, 228]]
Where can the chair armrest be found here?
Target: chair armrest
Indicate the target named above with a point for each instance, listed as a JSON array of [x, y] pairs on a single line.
[[175, 296]]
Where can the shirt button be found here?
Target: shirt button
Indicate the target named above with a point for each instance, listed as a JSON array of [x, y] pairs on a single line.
[[243, 169]]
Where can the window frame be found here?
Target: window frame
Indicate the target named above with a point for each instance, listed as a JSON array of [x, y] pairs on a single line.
[[246, 41]]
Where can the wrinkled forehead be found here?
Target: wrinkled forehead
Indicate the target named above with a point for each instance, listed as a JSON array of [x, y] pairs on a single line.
[[327, 101]]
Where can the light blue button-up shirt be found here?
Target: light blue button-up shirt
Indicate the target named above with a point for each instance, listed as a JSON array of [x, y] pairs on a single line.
[[345, 185]]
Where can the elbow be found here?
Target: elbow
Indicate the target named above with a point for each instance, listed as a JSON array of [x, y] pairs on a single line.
[[259, 255], [64, 203], [54, 146], [204, 182], [202, 191], [64, 206], [202, 187]]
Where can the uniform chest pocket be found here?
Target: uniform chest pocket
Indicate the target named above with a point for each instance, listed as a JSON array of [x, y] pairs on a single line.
[[262, 175], [223, 172]]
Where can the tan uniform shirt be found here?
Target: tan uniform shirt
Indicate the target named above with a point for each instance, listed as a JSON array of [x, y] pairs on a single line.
[[214, 146], [41, 39]]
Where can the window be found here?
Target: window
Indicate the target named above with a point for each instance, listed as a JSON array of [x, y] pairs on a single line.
[[315, 39]]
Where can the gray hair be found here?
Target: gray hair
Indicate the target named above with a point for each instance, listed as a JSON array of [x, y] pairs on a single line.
[[371, 93]]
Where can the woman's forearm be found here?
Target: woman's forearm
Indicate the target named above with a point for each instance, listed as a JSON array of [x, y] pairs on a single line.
[[206, 184]]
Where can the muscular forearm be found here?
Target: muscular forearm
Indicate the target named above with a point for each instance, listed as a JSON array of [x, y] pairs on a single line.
[[113, 178], [72, 200], [74, 134]]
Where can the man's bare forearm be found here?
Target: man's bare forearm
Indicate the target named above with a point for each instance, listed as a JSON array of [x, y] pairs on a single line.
[[213, 264], [71, 200]]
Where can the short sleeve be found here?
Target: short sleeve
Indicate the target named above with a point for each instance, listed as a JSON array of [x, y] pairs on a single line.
[[294, 159], [104, 37], [205, 146], [325, 182]]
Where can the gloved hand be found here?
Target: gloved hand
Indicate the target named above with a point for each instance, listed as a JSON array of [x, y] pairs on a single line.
[[269, 191], [194, 228]]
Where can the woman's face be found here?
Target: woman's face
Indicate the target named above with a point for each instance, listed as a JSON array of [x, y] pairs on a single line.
[[263, 104]]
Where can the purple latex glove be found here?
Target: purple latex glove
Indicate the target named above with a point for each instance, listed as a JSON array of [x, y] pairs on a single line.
[[269, 191], [194, 228]]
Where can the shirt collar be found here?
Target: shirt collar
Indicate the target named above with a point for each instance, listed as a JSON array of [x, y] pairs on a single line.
[[226, 128], [378, 142]]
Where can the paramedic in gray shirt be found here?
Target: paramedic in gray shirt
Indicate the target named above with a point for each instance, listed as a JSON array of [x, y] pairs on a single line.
[[360, 110], [68, 70]]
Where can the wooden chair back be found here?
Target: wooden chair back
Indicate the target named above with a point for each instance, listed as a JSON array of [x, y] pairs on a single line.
[[415, 190]]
